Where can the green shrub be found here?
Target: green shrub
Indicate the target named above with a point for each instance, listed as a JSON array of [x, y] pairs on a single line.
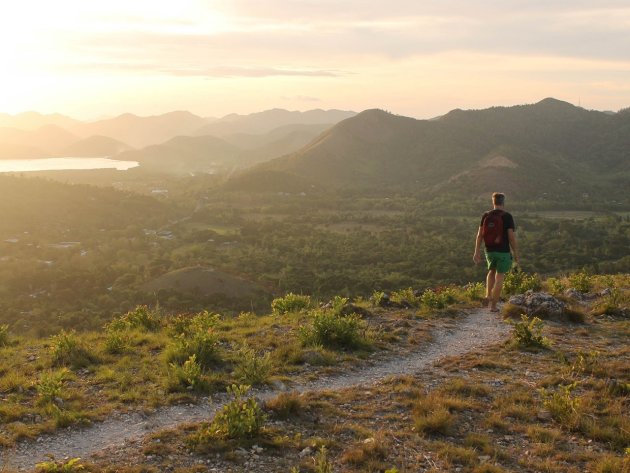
[[253, 369], [474, 291], [376, 298], [67, 349], [116, 342], [338, 303], [239, 419], [322, 463], [518, 282], [4, 335], [407, 296], [562, 405], [334, 330], [60, 466], [581, 281], [528, 333], [142, 318], [290, 303], [188, 375], [50, 386], [556, 286], [437, 300], [197, 338]]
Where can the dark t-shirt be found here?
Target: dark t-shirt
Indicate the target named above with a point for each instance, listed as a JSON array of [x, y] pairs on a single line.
[[508, 222]]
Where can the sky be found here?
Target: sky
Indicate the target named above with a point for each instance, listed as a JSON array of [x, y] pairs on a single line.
[[90, 59]]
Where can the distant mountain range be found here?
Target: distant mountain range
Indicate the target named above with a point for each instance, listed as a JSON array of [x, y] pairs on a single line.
[[551, 147], [253, 138]]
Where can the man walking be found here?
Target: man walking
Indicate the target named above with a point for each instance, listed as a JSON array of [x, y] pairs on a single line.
[[496, 231]]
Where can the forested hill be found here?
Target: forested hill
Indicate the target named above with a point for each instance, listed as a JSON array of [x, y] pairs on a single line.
[[549, 148]]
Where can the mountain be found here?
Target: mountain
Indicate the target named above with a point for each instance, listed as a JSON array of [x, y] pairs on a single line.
[[264, 122], [548, 147], [46, 141], [185, 154], [143, 131], [95, 146], [35, 120]]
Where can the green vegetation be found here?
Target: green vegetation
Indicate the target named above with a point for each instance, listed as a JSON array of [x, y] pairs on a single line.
[[239, 419], [528, 333], [290, 303], [60, 466], [334, 330]]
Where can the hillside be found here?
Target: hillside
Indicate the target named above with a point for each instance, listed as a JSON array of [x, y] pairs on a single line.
[[96, 146], [266, 121], [143, 131], [410, 383], [549, 148], [185, 154], [45, 141]]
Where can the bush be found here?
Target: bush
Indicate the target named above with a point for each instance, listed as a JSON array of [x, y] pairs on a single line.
[[252, 368], [406, 296], [60, 466], [377, 298], [556, 286], [437, 300], [50, 386], [581, 281], [67, 349], [290, 303], [333, 330], [474, 291], [518, 282], [116, 342], [189, 375], [142, 318], [528, 333], [197, 338], [562, 405], [239, 419]]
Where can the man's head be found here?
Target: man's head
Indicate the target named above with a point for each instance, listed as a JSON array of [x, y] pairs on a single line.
[[498, 199]]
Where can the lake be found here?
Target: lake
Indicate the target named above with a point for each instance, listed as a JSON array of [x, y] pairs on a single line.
[[62, 164]]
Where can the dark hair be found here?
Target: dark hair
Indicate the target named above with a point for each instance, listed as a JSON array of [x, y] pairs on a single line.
[[498, 198]]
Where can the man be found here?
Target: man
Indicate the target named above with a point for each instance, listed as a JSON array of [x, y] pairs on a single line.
[[496, 231]]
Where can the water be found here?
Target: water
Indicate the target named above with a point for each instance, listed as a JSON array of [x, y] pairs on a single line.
[[62, 164]]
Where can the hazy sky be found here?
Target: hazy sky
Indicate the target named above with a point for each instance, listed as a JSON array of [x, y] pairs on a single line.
[[418, 58]]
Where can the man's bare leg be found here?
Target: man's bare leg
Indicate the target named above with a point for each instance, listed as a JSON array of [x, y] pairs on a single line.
[[489, 286], [496, 291]]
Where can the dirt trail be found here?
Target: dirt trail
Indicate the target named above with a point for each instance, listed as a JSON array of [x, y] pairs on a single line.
[[477, 330]]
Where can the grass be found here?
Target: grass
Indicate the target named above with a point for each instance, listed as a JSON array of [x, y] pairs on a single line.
[[497, 410]]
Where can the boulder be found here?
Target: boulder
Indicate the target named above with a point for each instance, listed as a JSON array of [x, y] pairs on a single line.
[[539, 304]]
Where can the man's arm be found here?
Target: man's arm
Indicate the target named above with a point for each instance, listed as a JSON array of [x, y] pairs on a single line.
[[513, 245], [477, 254]]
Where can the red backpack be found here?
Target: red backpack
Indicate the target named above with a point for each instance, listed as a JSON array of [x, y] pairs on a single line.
[[492, 228]]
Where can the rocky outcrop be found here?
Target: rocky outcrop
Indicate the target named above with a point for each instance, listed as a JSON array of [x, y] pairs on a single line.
[[539, 304]]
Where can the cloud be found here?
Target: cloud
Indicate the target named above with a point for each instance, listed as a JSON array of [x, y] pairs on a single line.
[[236, 71]]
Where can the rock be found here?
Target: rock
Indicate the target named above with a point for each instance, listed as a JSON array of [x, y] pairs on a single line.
[[539, 304], [306, 452], [58, 401], [278, 385], [543, 415], [368, 440], [484, 458]]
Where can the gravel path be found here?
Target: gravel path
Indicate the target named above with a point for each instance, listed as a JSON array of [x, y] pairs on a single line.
[[477, 330]]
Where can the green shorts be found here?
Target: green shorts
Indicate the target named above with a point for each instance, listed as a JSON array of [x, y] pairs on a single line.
[[500, 261]]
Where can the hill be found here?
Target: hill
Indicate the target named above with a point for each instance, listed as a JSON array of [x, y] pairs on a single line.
[[550, 147], [45, 141], [204, 281], [143, 131], [185, 154], [35, 120], [266, 121], [96, 146]]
